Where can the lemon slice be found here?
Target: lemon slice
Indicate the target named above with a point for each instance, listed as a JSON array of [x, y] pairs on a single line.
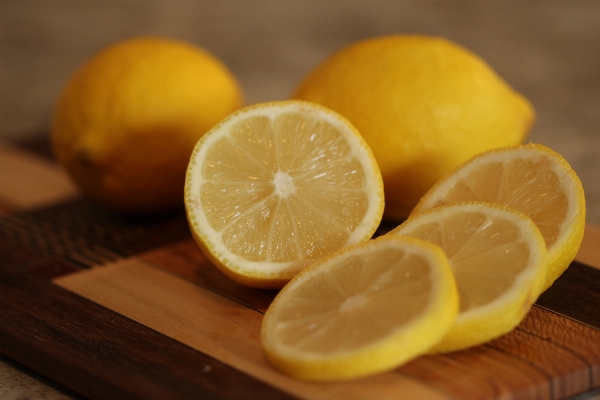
[[530, 178], [276, 186], [499, 261], [367, 309]]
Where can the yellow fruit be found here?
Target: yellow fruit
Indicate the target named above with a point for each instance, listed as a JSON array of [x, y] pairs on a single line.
[[499, 261], [127, 120], [424, 104], [367, 309], [277, 186], [530, 178]]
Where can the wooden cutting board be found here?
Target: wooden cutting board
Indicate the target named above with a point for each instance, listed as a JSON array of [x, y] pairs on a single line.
[[127, 308]]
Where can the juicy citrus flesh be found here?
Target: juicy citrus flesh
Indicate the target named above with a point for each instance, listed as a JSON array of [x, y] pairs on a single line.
[[364, 310], [424, 104], [279, 185], [499, 261], [127, 120], [530, 178]]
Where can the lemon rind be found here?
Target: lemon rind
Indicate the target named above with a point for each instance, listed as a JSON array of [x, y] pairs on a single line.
[[505, 312], [263, 273], [568, 241]]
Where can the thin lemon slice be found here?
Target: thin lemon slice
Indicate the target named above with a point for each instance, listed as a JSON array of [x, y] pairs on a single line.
[[499, 261], [530, 178], [276, 186], [367, 309]]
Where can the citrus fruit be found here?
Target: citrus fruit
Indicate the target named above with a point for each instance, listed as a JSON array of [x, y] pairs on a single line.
[[530, 178], [127, 120], [424, 104], [276, 186], [499, 261], [367, 309]]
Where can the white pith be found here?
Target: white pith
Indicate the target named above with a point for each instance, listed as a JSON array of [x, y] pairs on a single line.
[[284, 187]]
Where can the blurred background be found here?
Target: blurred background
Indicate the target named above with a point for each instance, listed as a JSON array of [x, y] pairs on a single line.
[[548, 50]]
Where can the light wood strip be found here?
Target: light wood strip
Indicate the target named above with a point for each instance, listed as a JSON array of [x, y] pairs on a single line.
[[589, 252], [28, 181], [221, 328], [186, 260]]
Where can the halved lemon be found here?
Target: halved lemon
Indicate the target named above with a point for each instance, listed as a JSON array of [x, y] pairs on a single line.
[[499, 261], [366, 309], [276, 186], [530, 178]]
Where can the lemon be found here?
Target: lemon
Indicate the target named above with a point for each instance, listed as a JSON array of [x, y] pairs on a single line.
[[277, 186], [531, 178], [424, 104], [367, 309], [127, 120], [499, 261]]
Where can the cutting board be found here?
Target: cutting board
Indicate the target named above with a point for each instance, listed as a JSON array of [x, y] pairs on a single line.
[[114, 307]]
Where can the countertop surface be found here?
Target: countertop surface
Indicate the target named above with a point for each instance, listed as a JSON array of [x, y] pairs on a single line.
[[547, 50]]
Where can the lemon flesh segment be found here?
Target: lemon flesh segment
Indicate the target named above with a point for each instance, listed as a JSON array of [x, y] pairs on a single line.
[[279, 185], [530, 178], [499, 261], [367, 309]]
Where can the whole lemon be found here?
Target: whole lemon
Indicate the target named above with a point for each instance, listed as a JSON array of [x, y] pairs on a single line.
[[424, 104], [126, 122]]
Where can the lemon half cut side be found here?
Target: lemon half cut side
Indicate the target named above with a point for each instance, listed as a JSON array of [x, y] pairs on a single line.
[[531, 178], [367, 309], [499, 260], [276, 186]]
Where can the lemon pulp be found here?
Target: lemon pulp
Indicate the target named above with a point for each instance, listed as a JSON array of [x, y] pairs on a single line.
[[363, 310], [532, 179], [278, 186], [499, 261]]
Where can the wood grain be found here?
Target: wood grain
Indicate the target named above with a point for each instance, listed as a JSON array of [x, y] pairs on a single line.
[[170, 288], [589, 251], [480, 373], [163, 322], [104, 355], [567, 334], [552, 360], [575, 294], [185, 260], [30, 181], [533, 361], [212, 324]]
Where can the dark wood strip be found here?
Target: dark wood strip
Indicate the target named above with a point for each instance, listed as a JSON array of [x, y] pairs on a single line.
[[101, 354], [576, 295], [568, 373], [81, 233], [6, 207], [37, 143], [478, 373], [581, 340], [453, 379]]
